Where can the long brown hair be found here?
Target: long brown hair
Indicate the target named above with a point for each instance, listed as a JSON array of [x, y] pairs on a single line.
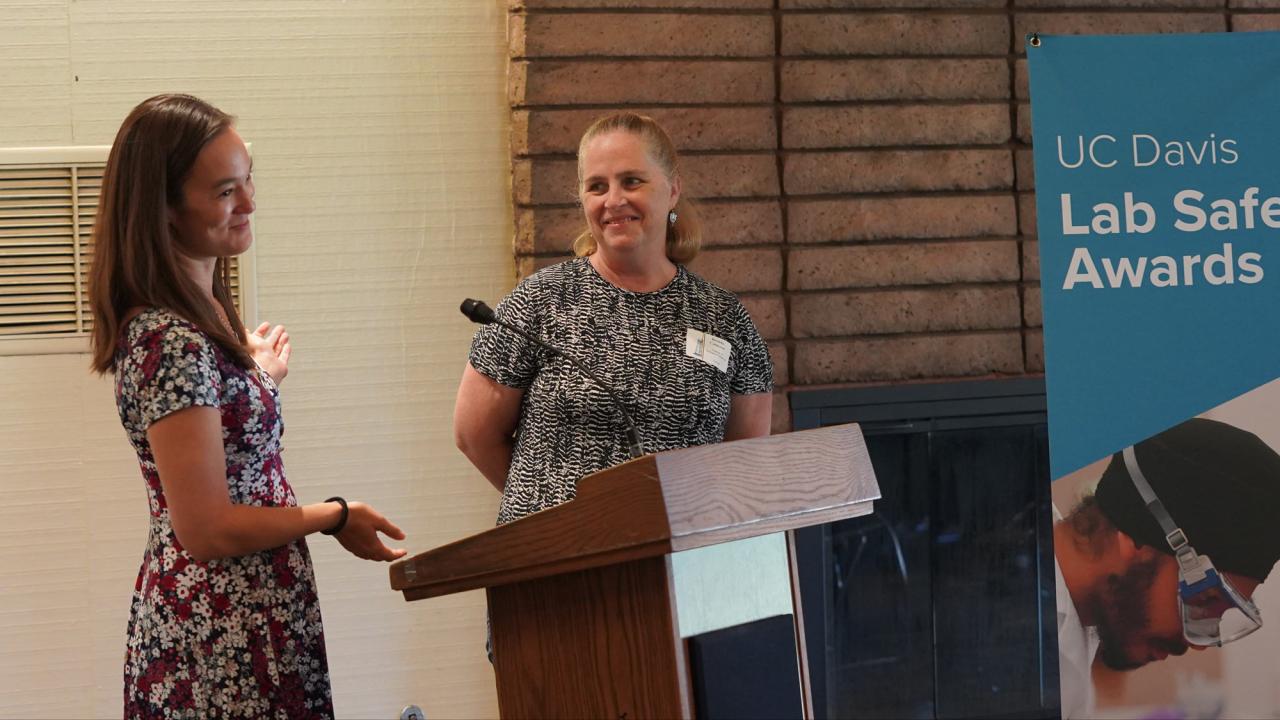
[[135, 257], [684, 236]]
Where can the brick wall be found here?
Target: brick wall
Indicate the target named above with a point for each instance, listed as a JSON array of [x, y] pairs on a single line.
[[864, 165]]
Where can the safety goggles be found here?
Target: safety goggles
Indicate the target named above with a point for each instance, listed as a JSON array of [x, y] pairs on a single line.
[[1213, 612]]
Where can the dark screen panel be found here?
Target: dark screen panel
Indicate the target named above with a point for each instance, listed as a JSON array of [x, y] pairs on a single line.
[[940, 604]]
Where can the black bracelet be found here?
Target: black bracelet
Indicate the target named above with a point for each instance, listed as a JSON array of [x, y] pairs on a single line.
[[342, 521]]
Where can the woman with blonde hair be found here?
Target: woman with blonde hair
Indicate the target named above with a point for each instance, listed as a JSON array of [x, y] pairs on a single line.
[[681, 354], [224, 621]]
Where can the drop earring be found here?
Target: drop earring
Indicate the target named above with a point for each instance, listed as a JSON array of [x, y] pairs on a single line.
[[671, 217]]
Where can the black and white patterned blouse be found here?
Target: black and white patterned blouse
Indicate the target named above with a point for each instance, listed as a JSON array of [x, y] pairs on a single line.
[[635, 342]]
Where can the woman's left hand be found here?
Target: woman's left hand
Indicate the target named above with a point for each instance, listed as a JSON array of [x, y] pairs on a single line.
[[271, 350]]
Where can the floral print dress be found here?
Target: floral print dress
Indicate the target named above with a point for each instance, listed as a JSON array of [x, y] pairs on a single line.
[[236, 637]]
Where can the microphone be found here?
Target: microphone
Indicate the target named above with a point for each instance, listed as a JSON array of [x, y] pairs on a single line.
[[478, 312]]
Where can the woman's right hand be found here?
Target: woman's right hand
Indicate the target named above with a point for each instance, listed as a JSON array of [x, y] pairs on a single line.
[[360, 535]]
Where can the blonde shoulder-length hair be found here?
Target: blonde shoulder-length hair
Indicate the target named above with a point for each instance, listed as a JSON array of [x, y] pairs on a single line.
[[684, 236]]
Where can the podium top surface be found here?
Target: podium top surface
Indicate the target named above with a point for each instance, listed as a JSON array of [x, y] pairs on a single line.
[[668, 502]]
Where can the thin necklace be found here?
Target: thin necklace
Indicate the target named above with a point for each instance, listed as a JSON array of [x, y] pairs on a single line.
[[222, 317]]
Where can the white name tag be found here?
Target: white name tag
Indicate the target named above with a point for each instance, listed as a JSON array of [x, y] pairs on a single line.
[[708, 348]]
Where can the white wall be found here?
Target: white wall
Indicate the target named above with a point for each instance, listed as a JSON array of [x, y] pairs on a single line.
[[380, 146]]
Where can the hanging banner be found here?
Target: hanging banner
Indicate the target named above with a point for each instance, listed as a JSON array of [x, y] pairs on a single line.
[[1157, 163]]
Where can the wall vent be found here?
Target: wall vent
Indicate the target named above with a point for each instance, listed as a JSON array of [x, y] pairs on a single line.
[[48, 201]]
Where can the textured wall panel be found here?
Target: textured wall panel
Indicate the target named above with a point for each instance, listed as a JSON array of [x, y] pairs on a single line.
[[379, 135]]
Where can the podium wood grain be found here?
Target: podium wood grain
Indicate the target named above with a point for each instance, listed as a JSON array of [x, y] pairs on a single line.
[[616, 622], [581, 595], [659, 504]]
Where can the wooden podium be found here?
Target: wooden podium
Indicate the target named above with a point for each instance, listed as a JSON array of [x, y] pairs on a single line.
[[581, 600]]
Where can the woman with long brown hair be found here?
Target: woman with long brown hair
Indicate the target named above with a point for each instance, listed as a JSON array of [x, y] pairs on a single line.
[[225, 621]]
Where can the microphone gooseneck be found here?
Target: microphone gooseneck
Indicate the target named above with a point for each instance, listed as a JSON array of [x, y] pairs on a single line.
[[478, 312]]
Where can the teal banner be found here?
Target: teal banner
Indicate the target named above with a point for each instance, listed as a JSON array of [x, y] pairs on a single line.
[[1157, 168], [1158, 205]]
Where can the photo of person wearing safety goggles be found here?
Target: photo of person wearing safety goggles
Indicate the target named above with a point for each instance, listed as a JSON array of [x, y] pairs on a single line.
[[1166, 553]]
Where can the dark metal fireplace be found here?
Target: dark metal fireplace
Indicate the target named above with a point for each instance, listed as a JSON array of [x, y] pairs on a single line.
[[941, 603]]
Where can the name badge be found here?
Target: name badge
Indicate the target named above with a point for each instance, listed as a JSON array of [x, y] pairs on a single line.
[[708, 348]]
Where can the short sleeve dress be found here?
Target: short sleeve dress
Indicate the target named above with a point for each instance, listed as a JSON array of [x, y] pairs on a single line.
[[638, 343], [236, 637]]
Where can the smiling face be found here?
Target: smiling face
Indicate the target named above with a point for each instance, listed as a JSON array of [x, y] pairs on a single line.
[[217, 201], [626, 196]]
